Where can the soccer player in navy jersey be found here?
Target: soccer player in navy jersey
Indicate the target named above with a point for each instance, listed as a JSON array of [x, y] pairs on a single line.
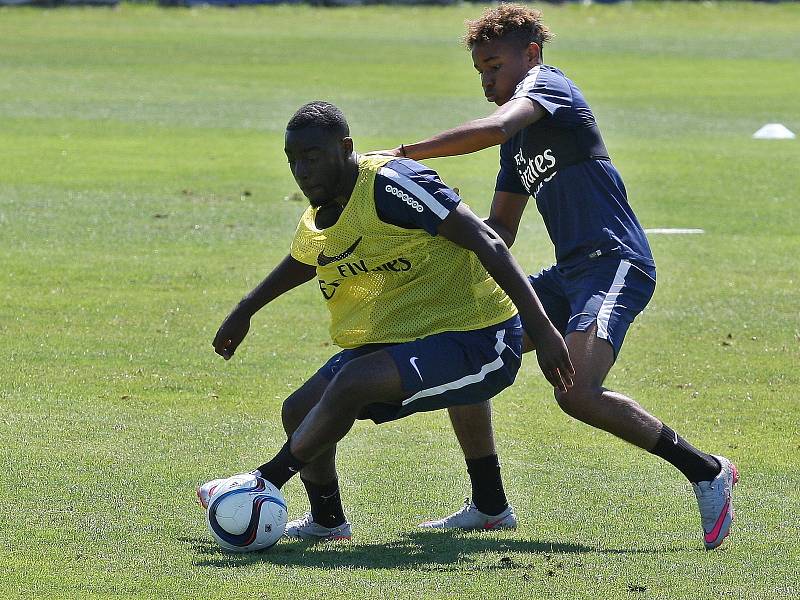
[[604, 275]]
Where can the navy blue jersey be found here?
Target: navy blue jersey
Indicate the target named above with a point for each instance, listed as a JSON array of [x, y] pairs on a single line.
[[411, 195], [562, 161]]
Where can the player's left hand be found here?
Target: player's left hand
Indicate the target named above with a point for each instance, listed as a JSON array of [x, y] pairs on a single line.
[[231, 333]]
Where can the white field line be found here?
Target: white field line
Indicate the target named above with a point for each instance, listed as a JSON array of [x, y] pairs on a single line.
[[676, 231]]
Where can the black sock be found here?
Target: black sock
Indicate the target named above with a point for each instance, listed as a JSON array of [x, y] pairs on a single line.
[[694, 464], [326, 503], [487, 486], [281, 468]]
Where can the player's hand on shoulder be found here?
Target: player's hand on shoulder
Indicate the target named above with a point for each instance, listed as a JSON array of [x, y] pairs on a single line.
[[231, 333], [396, 152]]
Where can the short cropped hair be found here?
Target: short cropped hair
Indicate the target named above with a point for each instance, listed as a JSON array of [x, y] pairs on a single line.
[[320, 114], [513, 22]]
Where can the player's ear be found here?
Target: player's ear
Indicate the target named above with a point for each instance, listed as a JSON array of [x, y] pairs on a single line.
[[534, 53], [347, 145]]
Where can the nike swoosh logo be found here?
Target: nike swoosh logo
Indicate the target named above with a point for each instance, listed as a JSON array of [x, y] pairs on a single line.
[[675, 441], [712, 535], [413, 361], [323, 260], [493, 524]]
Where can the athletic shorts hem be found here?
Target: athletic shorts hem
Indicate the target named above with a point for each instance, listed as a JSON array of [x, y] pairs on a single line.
[[445, 369], [606, 292]]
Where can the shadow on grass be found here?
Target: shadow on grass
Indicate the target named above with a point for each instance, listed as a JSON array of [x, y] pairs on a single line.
[[420, 550]]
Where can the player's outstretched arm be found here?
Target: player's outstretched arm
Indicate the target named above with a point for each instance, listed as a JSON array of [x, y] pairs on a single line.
[[464, 228], [286, 276], [474, 135]]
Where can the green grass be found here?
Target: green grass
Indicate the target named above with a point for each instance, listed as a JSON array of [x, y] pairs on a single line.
[[143, 191]]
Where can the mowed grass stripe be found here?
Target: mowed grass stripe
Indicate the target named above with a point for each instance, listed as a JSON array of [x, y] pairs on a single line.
[[144, 190]]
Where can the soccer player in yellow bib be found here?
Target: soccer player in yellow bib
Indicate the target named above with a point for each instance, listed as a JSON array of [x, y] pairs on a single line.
[[423, 298]]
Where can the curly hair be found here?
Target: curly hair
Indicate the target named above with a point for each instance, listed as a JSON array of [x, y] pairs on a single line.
[[513, 22], [320, 114]]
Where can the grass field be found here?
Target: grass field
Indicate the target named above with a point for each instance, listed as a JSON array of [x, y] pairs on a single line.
[[143, 190]]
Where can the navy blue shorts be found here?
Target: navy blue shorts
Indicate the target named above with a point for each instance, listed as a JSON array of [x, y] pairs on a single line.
[[446, 369], [608, 292]]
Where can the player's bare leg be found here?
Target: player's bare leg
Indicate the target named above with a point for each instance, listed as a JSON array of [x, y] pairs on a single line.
[[295, 408], [712, 477], [588, 401], [488, 506], [362, 381], [359, 383], [472, 425], [326, 520]]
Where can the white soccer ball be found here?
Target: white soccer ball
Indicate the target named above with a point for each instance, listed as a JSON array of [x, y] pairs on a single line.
[[246, 513]]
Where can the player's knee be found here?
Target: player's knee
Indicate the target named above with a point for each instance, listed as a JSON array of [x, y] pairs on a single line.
[[577, 401], [292, 413], [348, 388]]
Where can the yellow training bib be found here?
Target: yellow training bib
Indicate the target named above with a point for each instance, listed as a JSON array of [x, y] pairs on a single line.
[[387, 284]]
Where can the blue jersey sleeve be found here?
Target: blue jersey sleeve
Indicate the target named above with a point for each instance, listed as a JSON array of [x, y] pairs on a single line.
[[411, 195], [508, 178], [557, 95]]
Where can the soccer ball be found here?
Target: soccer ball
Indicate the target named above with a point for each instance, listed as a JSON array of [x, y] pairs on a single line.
[[246, 513]]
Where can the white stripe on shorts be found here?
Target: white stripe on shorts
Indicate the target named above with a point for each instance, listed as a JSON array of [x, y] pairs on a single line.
[[467, 379], [604, 314]]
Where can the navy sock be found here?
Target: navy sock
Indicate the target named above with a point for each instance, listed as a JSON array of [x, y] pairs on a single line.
[[694, 464], [281, 468], [487, 486], [326, 503]]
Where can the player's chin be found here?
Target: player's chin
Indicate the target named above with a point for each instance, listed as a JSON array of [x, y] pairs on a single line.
[[318, 200]]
